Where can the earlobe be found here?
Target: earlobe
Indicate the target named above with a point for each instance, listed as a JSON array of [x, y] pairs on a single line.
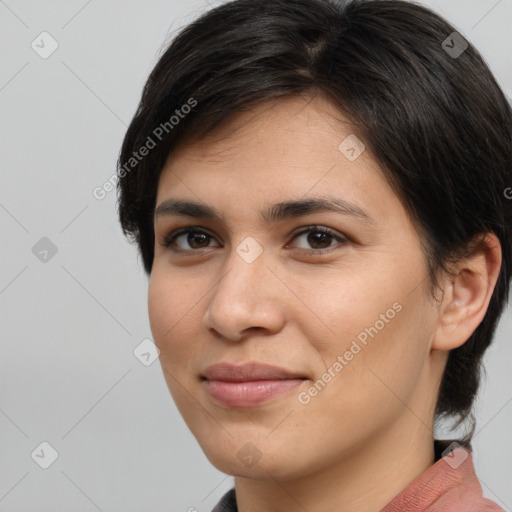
[[467, 293]]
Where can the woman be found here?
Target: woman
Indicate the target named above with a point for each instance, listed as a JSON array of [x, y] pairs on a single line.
[[314, 372]]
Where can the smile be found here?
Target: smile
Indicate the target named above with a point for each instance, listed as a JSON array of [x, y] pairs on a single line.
[[248, 385]]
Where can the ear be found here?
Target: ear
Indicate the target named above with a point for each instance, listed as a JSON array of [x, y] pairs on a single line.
[[467, 294]]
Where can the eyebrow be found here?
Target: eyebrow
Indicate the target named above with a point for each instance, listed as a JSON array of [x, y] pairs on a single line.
[[274, 213]]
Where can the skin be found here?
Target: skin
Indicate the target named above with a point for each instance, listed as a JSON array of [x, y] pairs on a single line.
[[368, 433]]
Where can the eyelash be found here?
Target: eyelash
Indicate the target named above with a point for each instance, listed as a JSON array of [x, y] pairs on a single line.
[[169, 239]]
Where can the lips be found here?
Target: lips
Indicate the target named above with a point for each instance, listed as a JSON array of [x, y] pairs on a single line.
[[248, 372], [249, 384]]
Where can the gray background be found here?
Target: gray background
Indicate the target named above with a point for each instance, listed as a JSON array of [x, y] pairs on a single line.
[[68, 374]]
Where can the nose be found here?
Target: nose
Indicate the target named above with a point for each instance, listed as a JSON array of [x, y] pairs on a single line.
[[248, 297]]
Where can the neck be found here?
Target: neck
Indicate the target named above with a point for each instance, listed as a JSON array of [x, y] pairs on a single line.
[[366, 479]]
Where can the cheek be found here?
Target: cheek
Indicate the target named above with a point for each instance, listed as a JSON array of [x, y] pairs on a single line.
[[172, 321], [171, 317], [373, 336], [383, 365], [344, 303]]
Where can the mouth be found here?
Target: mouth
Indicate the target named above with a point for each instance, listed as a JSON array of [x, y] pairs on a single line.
[[249, 384]]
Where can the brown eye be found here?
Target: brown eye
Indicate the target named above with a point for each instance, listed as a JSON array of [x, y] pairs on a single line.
[[319, 239], [194, 238]]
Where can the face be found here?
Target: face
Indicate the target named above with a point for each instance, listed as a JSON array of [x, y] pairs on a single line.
[[318, 313]]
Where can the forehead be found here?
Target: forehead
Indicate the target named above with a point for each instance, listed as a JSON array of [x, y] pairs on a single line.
[[292, 135], [279, 151], [287, 118]]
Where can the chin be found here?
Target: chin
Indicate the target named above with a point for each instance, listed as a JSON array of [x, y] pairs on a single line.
[[257, 459]]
